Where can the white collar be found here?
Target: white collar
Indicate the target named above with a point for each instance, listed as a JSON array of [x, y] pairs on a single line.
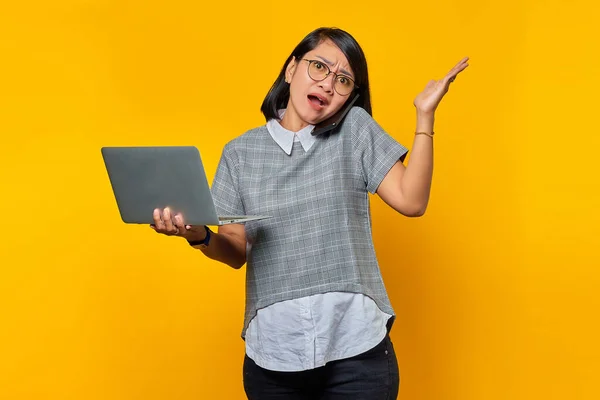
[[285, 138]]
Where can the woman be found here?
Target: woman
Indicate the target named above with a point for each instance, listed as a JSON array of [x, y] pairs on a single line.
[[317, 315]]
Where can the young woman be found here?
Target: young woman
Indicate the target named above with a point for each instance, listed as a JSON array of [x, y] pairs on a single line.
[[317, 315]]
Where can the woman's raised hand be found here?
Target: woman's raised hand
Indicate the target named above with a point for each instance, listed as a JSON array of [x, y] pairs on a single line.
[[428, 100]]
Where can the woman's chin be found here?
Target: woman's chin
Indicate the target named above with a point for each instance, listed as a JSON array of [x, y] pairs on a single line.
[[313, 118]]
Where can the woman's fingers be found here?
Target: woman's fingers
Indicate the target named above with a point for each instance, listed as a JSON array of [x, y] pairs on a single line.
[[462, 64], [163, 222], [179, 225], [167, 220], [158, 222], [458, 68]]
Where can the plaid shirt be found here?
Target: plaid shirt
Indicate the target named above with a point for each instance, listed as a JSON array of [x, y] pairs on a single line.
[[319, 239]]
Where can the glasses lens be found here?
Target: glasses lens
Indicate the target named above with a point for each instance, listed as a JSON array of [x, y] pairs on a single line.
[[344, 85], [317, 70]]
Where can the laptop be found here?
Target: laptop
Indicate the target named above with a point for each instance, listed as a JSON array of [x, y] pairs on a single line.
[[146, 178]]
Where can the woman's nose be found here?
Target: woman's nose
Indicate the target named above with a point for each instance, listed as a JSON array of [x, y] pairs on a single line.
[[327, 83]]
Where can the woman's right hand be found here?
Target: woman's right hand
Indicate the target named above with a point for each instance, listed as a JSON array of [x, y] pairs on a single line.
[[170, 225]]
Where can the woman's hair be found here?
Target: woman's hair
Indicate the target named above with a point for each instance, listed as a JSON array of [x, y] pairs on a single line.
[[279, 94]]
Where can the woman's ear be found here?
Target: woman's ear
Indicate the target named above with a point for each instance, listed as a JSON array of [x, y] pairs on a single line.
[[289, 70]]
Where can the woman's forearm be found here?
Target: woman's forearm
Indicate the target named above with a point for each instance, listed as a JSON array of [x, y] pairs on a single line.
[[416, 182], [227, 248]]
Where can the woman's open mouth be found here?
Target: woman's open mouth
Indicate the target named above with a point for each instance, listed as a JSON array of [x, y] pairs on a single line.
[[316, 102]]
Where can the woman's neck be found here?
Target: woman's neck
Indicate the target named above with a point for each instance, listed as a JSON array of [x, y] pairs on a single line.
[[291, 120]]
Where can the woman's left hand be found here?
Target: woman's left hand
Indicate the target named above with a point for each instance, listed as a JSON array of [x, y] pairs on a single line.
[[427, 101]]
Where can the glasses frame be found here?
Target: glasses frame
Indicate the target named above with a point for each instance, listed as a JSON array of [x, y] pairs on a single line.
[[329, 72]]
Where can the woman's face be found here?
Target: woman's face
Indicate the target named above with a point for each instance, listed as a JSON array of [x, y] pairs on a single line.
[[314, 101]]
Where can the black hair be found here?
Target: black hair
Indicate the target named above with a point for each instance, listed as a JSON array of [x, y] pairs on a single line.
[[279, 94]]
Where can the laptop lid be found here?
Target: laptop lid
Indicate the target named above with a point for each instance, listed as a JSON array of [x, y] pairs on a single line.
[[145, 178]]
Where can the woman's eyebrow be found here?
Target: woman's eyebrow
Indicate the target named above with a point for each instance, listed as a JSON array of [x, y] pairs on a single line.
[[331, 64]]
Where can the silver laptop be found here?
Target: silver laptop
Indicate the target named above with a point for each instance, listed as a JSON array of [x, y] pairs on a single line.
[[145, 178]]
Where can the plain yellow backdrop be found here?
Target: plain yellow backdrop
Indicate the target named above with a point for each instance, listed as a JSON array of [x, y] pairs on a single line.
[[495, 288]]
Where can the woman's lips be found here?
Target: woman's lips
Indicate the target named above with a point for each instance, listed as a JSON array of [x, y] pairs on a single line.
[[316, 102]]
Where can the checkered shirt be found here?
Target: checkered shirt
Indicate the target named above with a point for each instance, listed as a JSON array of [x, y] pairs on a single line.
[[319, 237]]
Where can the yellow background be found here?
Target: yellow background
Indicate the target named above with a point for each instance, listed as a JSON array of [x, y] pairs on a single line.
[[496, 287]]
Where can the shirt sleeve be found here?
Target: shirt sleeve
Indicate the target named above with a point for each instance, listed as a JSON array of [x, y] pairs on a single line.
[[225, 188], [376, 150]]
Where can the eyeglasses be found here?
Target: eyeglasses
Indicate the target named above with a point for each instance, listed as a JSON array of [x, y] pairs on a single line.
[[319, 71]]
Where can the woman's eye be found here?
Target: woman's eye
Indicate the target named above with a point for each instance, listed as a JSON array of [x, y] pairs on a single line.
[[318, 65], [345, 81]]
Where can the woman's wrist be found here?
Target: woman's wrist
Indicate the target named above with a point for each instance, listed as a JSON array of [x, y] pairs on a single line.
[[199, 236], [425, 121], [425, 113]]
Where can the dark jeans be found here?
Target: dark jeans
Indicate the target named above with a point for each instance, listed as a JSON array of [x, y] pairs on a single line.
[[372, 375]]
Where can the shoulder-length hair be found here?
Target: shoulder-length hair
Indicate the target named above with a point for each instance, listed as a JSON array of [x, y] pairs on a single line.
[[279, 94]]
